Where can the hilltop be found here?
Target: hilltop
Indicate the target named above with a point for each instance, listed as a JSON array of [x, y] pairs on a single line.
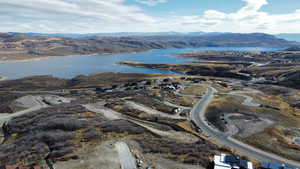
[[17, 46]]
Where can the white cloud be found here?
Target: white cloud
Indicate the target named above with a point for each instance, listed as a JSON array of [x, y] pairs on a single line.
[[248, 19], [151, 2], [253, 5], [70, 16], [212, 14], [90, 16]]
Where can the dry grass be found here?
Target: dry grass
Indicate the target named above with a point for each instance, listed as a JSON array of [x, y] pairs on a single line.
[[218, 101], [186, 125], [276, 133], [273, 141], [153, 103], [181, 100], [220, 88], [194, 90], [291, 114]]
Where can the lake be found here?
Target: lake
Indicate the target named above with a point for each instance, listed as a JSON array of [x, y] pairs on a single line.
[[71, 66]]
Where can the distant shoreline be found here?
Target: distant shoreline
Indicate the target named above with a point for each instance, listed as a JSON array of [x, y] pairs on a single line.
[[93, 54], [46, 57], [51, 57]]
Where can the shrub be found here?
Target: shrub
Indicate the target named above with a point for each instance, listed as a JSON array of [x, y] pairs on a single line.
[[68, 124]]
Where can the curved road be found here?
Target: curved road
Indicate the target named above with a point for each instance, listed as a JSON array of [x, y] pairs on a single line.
[[198, 116]]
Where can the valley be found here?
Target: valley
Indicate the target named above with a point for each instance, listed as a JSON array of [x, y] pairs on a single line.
[[24, 47], [230, 102], [149, 84]]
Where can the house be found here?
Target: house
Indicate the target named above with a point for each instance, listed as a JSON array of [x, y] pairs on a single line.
[[168, 79], [273, 165], [146, 83], [225, 161], [167, 87], [196, 80], [176, 110]]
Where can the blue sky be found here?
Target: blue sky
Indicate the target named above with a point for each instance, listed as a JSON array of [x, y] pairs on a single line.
[[191, 7], [282, 6], [93, 16], [194, 7]]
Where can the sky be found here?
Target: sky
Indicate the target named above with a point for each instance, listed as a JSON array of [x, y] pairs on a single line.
[[105, 16]]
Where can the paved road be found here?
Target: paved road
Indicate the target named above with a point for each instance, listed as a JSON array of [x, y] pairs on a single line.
[[127, 160], [198, 116]]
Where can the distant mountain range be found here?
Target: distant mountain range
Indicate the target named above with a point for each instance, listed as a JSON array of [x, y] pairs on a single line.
[[20, 46], [125, 34], [286, 36]]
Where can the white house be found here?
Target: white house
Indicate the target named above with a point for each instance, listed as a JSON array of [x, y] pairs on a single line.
[[225, 161]]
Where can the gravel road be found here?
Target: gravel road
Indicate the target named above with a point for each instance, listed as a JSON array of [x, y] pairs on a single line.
[[126, 158]]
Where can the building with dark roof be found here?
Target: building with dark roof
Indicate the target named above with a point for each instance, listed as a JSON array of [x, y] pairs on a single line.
[[273, 165]]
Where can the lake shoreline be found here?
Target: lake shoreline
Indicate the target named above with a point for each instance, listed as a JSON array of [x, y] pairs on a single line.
[[49, 57], [63, 67], [52, 57], [133, 52]]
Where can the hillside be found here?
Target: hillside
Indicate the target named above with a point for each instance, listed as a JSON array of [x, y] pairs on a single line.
[[124, 34], [15, 46], [22, 47], [291, 79], [226, 39]]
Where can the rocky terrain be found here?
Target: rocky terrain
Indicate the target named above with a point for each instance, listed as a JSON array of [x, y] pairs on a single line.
[[15, 46]]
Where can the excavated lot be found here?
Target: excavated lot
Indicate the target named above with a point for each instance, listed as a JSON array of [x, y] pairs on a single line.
[[267, 120]]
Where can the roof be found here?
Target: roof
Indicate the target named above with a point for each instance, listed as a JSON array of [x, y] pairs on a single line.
[[236, 161], [219, 164], [273, 165], [225, 161]]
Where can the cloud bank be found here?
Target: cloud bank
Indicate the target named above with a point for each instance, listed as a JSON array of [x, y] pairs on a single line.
[[92, 16], [248, 19], [70, 16]]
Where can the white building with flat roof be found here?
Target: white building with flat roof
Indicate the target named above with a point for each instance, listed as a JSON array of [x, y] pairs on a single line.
[[225, 161]]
